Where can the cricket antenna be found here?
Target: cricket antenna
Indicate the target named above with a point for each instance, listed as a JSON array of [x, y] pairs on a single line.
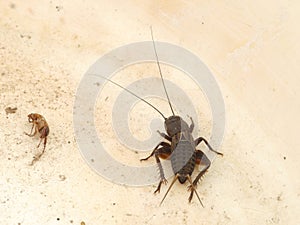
[[131, 93], [160, 71]]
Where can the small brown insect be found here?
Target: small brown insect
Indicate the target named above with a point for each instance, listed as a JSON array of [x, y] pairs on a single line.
[[40, 126]]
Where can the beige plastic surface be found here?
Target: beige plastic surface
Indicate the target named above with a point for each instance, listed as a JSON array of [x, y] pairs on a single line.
[[252, 48]]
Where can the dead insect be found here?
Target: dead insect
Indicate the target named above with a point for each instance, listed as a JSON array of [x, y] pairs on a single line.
[[41, 127], [180, 148]]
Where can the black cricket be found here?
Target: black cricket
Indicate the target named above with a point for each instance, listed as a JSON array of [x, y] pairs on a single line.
[[180, 148]]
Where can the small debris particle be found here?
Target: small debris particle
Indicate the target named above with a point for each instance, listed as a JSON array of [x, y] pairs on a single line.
[[10, 110], [279, 197], [114, 203], [12, 5], [57, 219], [58, 8], [62, 177], [82, 223], [128, 214], [25, 36], [284, 157]]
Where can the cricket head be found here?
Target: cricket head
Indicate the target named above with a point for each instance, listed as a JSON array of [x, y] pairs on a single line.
[[174, 125], [32, 117]]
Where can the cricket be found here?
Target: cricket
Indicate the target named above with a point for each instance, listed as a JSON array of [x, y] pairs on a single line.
[[40, 126], [179, 145]]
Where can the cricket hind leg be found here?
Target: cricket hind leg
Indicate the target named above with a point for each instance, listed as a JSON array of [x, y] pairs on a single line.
[[163, 152], [193, 189], [201, 159], [44, 133], [37, 157]]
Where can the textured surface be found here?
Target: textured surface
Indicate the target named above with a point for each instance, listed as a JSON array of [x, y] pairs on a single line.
[[252, 48]]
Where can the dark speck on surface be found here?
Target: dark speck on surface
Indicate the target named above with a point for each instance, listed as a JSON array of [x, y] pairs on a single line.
[[12, 5]]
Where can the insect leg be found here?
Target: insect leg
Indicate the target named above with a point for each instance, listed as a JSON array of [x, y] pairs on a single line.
[[37, 157], [45, 142], [163, 152], [165, 136], [201, 159], [192, 191], [199, 139], [44, 132], [163, 144], [192, 125], [31, 135], [161, 171], [40, 142]]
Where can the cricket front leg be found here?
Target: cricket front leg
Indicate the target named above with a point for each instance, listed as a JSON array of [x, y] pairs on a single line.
[[165, 136], [31, 135]]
